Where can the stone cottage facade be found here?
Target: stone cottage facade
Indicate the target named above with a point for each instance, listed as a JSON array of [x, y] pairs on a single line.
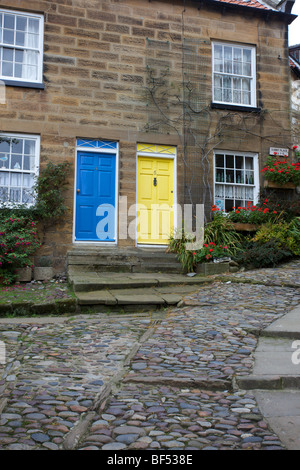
[[157, 104]]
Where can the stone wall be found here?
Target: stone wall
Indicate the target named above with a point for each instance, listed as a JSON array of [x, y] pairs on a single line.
[[96, 85]]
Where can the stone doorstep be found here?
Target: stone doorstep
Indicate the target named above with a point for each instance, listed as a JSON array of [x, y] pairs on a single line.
[[127, 297], [93, 282]]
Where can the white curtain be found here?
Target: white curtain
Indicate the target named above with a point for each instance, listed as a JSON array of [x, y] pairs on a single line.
[[31, 56]]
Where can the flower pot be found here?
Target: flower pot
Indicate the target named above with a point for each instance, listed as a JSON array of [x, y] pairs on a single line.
[[43, 273], [212, 268], [273, 184], [24, 274]]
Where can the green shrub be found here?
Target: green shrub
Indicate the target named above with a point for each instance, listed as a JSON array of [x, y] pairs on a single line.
[[286, 234], [220, 231], [18, 243], [257, 255], [177, 244]]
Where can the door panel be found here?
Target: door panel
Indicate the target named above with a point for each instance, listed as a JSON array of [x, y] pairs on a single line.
[[155, 200], [96, 186]]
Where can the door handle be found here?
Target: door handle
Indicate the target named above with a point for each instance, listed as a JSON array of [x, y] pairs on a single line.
[[78, 191], [155, 181]]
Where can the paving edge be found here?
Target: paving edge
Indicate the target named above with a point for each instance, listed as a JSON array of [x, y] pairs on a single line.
[[268, 382], [202, 383]]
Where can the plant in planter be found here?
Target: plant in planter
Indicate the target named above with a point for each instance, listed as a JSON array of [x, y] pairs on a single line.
[[212, 259], [281, 171], [253, 214], [44, 270]]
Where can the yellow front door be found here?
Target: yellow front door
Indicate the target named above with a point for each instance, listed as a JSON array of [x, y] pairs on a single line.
[[155, 199]]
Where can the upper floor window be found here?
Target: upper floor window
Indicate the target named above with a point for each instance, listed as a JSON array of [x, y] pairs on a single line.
[[234, 74], [19, 163], [21, 46]]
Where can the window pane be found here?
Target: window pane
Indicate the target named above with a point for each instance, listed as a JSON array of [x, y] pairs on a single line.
[[5, 146], [249, 163], [18, 70], [27, 197], [220, 161], [3, 194], [28, 163], [8, 36], [228, 60], [7, 69], [8, 54], [227, 91], [21, 23], [4, 177], [19, 56], [29, 147], [17, 146], [237, 61], [28, 180], [15, 179], [32, 40], [33, 25], [9, 21], [20, 39], [229, 161], [16, 162], [15, 195]]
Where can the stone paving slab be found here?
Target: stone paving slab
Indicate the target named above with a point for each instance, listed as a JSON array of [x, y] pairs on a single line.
[[282, 411]]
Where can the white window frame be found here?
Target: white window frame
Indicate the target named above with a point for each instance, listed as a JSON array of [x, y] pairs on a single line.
[[234, 184], [40, 48], [34, 171], [252, 78]]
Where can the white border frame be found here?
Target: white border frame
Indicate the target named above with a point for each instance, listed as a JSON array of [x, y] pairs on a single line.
[[253, 81], [41, 45], [37, 138], [255, 157], [162, 156], [108, 152]]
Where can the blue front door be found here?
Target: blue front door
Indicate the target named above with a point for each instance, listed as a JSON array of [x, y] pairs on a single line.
[[95, 197]]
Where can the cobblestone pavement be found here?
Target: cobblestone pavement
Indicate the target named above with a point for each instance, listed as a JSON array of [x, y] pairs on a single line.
[[144, 381]]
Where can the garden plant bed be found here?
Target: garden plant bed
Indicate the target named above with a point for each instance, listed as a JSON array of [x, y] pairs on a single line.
[[37, 298]]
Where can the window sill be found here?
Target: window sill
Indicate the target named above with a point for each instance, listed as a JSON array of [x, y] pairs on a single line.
[[233, 107], [23, 84]]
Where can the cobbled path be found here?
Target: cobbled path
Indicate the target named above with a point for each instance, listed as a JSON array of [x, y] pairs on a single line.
[[145, 381]]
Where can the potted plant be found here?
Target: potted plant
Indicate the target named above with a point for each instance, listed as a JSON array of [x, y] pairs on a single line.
[[281, 173], [212, 259], [44, 270], [249, 218]]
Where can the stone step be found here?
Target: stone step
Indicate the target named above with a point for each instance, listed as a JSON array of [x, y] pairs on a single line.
[[121, 297], [122, 260], [134, 291], [87, 282]]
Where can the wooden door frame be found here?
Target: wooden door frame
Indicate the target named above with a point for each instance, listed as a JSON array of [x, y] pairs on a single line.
[[115, 152], [163, 157]]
